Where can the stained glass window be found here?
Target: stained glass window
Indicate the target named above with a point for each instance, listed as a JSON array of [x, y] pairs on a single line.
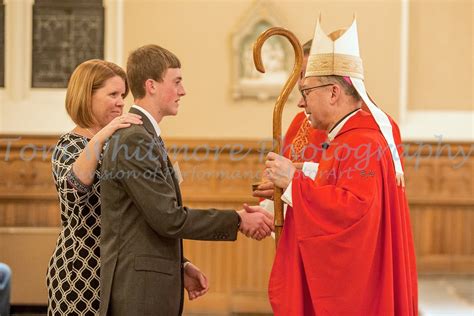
[[65, 33]]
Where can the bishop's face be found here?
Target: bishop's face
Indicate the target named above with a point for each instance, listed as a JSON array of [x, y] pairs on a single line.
[[316, 97]]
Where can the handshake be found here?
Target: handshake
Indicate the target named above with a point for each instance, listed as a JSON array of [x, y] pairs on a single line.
[[256, 222]]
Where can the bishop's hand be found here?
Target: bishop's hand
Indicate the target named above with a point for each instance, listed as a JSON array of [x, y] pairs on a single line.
[[264, 190], [279, 170]]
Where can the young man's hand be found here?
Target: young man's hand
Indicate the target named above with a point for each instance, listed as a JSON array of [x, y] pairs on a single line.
[[195, 282], [256, 222]]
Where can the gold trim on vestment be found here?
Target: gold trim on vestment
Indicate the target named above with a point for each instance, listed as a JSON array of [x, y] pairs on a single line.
[[299, 143]]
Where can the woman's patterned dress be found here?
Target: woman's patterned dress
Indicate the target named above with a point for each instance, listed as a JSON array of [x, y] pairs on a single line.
[[73, 271]]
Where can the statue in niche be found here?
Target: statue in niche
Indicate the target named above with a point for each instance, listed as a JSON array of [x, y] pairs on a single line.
[[273, 57], [248, 82]]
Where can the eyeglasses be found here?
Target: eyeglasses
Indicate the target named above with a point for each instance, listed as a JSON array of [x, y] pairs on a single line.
[[304, 92]]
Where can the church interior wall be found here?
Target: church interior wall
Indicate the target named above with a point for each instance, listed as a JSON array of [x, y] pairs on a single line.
[[439, 78]]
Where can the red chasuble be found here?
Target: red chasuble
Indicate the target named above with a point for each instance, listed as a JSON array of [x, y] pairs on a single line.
[[346, 246], [302, 142]]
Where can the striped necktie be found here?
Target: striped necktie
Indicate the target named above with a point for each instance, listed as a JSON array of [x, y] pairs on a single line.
[[162, 148]]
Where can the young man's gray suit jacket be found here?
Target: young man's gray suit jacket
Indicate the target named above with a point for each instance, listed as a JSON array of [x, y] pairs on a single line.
[[143, 223]]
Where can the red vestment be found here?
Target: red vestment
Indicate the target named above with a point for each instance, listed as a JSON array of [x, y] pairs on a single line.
[[346, 246], [303, 142]]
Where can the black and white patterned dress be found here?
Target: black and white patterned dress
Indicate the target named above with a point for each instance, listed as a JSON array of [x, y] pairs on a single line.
[[73, 271]]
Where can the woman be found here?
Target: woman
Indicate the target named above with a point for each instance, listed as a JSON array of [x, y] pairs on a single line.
[[94, 101]]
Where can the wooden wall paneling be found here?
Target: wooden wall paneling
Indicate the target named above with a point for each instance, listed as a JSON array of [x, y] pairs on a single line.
[[468, 239], [439, 189], [19, 212], [27, 251]]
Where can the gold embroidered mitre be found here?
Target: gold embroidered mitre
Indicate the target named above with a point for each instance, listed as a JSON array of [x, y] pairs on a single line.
[[335, 54]]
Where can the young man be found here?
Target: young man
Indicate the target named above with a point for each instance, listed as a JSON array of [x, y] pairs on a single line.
[[347, 246], [143, 271]]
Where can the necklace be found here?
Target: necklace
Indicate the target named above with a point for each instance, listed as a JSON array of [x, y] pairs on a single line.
[[89, 132]]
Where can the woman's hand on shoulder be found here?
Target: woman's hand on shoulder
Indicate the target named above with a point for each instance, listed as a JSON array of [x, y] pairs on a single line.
[[122, 121]]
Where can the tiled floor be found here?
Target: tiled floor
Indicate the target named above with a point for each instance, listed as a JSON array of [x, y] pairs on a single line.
[[438, 296], [446, 295]]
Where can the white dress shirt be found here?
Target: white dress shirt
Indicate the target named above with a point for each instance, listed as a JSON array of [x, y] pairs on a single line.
[[150, 117]]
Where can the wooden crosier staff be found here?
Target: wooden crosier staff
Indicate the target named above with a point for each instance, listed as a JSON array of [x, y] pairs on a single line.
[[280, 103]]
